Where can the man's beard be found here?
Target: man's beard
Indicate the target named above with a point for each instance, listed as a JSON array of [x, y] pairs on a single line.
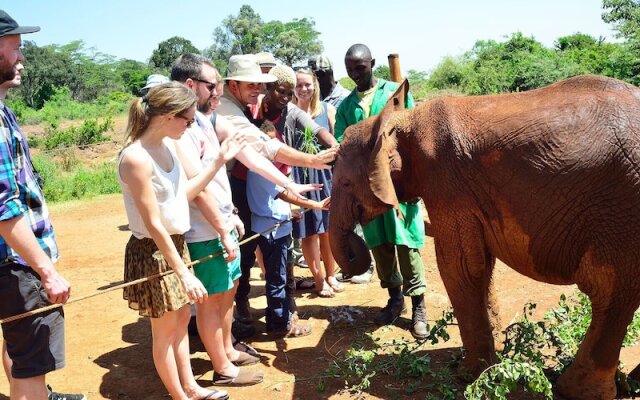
[[204, 108], [7, 71]]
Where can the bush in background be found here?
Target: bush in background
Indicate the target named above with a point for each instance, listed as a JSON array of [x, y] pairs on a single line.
[[72, 181]]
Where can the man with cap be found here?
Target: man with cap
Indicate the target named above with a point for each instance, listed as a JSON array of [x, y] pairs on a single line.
[[330, 91], [266, 61], [243, 86], [153, 80], [28, 249]]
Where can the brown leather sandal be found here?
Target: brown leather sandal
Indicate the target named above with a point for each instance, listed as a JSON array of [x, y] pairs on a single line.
[[244, 378], [245, 359]]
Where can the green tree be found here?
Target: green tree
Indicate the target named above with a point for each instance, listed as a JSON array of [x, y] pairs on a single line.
[[292, 41], [133, 74], [625, 17], [46, 68], [382, 71], [247, 33], [169, 50], [241, 34]]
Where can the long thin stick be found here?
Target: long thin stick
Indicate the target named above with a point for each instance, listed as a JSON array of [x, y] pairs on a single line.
[[140, 280]]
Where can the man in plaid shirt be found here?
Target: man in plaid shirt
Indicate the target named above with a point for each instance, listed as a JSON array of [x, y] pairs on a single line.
[[28, 249]]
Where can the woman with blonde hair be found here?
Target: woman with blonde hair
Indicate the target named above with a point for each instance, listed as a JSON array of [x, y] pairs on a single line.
[[313, 228], [156, 193]]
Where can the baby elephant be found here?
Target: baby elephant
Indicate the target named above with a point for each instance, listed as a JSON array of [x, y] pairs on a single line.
[[548, 181]]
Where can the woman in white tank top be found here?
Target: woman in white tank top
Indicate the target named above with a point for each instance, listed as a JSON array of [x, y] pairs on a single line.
[[156, 194]]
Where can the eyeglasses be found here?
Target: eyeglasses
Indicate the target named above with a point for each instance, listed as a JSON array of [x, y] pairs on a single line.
[[211, 86], [189, 122], [303, 68]]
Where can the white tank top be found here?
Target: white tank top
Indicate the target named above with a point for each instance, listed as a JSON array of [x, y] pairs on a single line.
[[200, 140], [171, 195]]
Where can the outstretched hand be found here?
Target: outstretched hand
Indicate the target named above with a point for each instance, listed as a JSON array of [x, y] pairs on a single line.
[[298, 189], [230, 147], [323, 158]]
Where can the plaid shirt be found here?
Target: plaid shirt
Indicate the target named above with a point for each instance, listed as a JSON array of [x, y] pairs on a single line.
[[20, 193]]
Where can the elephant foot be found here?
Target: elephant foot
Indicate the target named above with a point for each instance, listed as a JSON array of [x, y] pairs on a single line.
[[579, 383]]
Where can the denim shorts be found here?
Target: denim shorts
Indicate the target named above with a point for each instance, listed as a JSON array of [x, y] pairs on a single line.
[[35, 344]]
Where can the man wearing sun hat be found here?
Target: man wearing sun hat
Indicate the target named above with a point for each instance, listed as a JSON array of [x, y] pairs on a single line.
[[34, 346], [244, 83]]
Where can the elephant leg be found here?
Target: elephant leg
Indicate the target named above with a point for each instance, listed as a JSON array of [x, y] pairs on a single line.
[[592, 372], [466, 268]]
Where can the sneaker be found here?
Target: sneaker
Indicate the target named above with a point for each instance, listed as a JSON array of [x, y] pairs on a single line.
[[363, 278], [301, 262], [342, 277], [64, 396]]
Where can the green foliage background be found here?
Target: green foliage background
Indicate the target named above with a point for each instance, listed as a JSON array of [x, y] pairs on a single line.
[[72, 81]]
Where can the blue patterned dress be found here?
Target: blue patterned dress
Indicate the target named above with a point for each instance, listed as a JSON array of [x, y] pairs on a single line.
[[315, 221]]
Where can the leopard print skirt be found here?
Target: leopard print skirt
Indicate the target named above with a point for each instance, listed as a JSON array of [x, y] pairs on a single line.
[[154, 297]]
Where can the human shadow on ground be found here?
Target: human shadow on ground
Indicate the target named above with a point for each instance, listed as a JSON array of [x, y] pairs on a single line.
[[131, 373]]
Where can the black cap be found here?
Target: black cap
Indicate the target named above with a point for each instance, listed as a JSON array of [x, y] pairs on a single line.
[[9, 26]]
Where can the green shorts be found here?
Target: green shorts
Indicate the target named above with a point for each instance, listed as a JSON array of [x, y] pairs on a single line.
[[216, 274]]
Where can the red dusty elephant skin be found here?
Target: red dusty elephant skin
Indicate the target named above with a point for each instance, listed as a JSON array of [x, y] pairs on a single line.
[[548, 181]]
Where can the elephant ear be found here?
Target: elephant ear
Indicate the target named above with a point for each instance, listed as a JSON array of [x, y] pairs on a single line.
[[379, 163]]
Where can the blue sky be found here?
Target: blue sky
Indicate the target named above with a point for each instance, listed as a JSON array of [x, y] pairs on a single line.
[[422, 32]]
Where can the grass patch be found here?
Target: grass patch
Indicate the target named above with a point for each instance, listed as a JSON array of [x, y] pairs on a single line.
[[65, 179]]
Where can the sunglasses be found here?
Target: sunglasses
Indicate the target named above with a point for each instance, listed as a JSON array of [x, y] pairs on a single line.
[[303, 68], [189, 121], [211, 86]]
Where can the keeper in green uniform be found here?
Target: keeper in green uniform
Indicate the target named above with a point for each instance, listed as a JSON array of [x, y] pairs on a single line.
[[387, 233]]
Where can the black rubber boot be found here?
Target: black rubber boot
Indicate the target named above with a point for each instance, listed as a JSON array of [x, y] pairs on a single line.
[[243, 311], [419, 318], [394, 308]]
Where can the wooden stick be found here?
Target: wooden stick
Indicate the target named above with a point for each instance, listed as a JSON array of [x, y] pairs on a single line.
[[140, 280], [394, 67]]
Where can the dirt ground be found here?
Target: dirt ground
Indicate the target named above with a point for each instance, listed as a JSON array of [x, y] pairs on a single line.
[[109, 346]]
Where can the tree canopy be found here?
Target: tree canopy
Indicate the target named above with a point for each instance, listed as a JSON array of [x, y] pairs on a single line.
[[169, 50], [246, 33]]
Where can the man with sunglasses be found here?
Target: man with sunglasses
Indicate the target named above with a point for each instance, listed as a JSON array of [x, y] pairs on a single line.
[[331, 91]]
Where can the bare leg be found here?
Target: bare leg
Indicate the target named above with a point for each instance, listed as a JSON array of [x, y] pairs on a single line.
[[171, 354], [209, 317], [227, 319], [311, 252], [6, 361], [29, 389], [260, 262], [327, 257]]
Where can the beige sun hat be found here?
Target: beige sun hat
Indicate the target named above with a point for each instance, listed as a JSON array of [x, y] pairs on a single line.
[[245, 68]]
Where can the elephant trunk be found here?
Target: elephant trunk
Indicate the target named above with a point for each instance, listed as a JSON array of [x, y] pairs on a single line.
[[349, 250]]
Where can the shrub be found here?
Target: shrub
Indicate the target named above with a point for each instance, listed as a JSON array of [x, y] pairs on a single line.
[[90, 132], [78, 183]]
